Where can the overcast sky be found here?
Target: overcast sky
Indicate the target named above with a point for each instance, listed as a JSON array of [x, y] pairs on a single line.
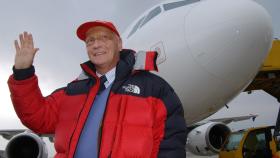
[[53, 24]]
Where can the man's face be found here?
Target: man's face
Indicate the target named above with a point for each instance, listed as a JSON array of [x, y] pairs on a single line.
[[103, 47]]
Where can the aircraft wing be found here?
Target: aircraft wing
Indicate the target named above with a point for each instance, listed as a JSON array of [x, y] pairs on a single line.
[[235, 119], [225, 120], [8, 134], [268, 78]]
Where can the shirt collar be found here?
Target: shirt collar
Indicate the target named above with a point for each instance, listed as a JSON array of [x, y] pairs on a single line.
[[110, 75]]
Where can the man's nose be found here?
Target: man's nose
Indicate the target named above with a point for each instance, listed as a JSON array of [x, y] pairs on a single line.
[[97, 43]]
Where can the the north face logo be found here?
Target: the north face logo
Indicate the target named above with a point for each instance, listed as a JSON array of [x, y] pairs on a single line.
[[131, 88]]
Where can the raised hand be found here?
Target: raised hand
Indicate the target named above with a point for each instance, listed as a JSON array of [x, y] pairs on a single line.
[[25, 51]]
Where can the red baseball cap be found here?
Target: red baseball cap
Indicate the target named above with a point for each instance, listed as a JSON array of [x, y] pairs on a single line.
[[82, 29]]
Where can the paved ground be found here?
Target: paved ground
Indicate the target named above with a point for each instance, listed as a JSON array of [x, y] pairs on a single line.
[[2, 154], [189, 155]]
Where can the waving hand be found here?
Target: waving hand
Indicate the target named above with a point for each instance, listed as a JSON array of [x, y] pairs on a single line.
[[25, 51]]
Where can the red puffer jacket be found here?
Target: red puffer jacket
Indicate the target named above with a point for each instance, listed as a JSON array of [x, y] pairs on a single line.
[[143, 117]]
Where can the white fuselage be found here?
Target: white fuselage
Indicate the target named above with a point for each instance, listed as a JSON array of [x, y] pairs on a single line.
[[209, 51]]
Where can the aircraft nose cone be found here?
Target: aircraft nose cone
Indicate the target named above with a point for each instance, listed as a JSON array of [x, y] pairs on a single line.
[[224, 33]]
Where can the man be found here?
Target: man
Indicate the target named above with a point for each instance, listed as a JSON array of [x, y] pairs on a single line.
[[115, 108]]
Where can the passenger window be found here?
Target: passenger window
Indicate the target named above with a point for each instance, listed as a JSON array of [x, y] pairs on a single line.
[[135, 27], [151, 15], [173, 5]]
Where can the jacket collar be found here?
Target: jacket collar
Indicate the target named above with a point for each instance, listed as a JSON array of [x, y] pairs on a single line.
[[123, 68]]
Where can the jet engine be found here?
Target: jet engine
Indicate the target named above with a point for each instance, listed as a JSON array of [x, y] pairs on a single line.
[[207, 139], [26, 145]]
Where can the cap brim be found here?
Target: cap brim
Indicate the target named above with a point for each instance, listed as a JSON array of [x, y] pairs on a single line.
[[82, 29]]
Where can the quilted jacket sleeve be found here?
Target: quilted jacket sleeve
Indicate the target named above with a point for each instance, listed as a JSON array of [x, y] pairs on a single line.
[[174, 140], [35, 111]]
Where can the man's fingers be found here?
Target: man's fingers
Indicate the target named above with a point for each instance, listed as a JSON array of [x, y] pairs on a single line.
[[36, 50], [21, 39], [30, 38], [17, 46], [25, 51], [25, 39], [26, 42], [25, 35]]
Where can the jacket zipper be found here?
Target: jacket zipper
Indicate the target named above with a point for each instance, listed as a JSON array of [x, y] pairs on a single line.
[[113, 84], [101, 124], [76, 125], [78, 121]]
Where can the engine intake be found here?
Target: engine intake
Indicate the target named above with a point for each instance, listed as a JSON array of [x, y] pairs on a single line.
[[207, 139], [26, 145]]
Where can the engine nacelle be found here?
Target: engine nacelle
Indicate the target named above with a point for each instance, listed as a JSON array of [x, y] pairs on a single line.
[[26, 145], [207, 139]]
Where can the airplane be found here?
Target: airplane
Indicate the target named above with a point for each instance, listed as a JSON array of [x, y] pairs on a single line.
[[208, 50]]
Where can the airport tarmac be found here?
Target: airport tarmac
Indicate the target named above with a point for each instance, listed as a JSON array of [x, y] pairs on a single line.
[[190, 155]]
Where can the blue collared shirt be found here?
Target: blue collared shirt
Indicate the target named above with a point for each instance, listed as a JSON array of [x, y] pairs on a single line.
[[110, 75], [88, 145]]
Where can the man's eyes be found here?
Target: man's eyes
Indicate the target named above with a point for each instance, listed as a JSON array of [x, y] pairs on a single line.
[[102, 38]]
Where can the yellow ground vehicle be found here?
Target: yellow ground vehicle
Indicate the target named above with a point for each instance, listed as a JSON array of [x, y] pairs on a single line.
[[252, 143], [259, 142]]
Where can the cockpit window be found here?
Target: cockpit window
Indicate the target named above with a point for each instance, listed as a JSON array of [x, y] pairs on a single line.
[[233, 141], [169, 6], [151, 15], [135, 27]]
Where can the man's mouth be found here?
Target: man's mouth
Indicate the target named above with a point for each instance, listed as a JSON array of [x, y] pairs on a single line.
[[100, 53]]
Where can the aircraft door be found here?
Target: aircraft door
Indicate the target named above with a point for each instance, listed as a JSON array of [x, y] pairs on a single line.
[[161, 52]]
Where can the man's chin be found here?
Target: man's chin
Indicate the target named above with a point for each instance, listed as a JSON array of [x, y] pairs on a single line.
[[99, 63]]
